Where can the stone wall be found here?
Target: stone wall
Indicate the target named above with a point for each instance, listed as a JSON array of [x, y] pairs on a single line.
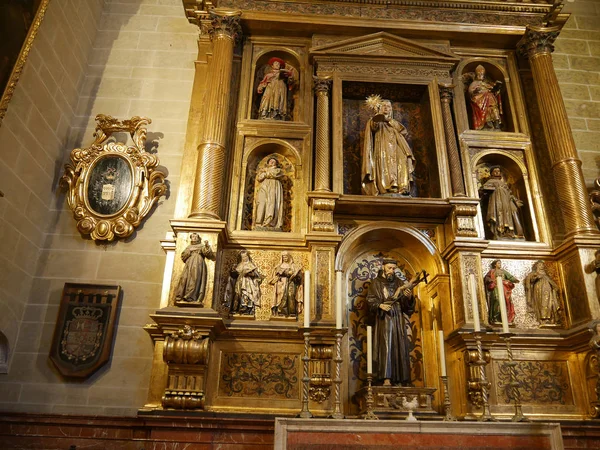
[[577, 64], [141, 63], [32, 142]]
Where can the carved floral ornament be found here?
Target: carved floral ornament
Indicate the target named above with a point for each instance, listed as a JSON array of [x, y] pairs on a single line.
[[112, 186]]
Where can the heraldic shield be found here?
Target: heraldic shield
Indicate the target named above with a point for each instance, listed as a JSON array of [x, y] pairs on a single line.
[[84, 329]]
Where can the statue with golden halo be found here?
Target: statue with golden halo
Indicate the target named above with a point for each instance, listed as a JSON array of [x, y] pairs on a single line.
[[387, 161]]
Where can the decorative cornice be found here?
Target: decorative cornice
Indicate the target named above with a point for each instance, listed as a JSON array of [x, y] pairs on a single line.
[[498, 13]]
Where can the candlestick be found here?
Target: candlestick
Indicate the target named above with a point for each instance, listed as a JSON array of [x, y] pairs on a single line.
[[474, 302], [370, 415], [369, 349], [337, 381], [442, 353], [502, 301], [515, 394], [447, 405], [306, 299], [305, 412], [338, 300], [484, 384]]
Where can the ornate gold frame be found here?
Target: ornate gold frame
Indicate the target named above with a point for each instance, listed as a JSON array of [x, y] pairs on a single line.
[[146, 185], [20, 63]]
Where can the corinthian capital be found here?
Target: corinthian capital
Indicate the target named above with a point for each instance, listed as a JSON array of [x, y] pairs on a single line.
[[225, 24], [537, 40], [322, 85], [446, 92]]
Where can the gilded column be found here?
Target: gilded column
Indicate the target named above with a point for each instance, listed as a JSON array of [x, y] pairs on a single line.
[[456, 175], [537, 45], [224, 30], [322, 147]]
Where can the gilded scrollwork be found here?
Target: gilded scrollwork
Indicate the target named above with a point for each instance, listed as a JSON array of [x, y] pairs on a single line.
[[540, 382], [317, 392], [259, 375], [112, 186], [186, 353]]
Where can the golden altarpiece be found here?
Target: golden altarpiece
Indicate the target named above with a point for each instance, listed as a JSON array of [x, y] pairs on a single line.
[[279, 117]]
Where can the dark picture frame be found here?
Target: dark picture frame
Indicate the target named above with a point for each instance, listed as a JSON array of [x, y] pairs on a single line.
[[20, 21]]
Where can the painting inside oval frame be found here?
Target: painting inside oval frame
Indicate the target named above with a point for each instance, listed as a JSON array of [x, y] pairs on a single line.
[[19, 24]]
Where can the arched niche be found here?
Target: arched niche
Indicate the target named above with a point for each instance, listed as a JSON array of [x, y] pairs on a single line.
[[359, 258], [293, 93], [493, 72], [287, 159], [514, 173]]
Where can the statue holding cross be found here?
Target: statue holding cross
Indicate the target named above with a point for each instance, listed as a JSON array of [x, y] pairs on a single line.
[[391, 303]]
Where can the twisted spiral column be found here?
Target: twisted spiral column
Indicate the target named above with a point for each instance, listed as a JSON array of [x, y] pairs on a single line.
[[537, 45], [456, 175], [322, 159], [224, 30]]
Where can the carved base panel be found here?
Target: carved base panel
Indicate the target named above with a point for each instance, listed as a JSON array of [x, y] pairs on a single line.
[[265, 376], [389, 401]]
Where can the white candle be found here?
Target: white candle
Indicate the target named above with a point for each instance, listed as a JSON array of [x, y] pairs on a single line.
[[369, 349], [474, 302], [338, 300], [306, 299], [502, 302], [442, 353]]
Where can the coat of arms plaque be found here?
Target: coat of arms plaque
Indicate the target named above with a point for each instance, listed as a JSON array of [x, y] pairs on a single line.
[[84, 329]]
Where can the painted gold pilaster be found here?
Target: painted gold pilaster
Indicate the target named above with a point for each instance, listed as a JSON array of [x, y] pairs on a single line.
[[196, 115], [224, 30], [456, 175], [322, 146], [537, 45]]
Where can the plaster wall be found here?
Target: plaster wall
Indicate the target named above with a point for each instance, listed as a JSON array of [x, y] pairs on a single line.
[[141, 62]]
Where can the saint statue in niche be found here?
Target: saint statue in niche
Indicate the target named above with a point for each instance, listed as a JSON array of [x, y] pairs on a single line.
[[269, 198], [242, 294], [192, 283], [491, 291], [542, 294], [485, 99], [287, 279], [387, 161], [279, 78], [391, 302], [503, 216]]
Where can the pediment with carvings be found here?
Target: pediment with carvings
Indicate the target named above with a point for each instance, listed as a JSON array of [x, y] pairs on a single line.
[[383, 54], [383, 44]]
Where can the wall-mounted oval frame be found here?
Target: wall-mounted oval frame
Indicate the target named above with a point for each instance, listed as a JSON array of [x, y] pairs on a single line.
[[112, 186], [16, 54]]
